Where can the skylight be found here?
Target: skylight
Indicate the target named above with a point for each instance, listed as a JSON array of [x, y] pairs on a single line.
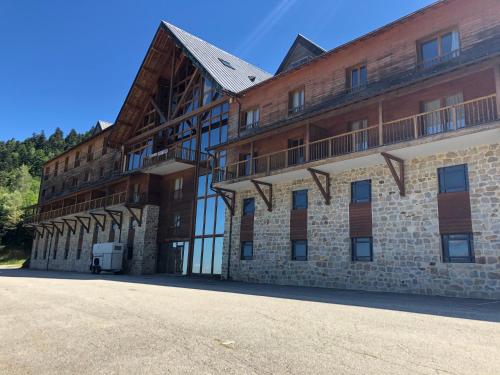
[[226, 63]]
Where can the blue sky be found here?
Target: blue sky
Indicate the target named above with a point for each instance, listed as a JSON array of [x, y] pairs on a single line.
[[70, 63]]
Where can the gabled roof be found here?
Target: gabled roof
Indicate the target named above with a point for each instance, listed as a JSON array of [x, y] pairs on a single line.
[[230, 72], [100, 126], [301, 51]]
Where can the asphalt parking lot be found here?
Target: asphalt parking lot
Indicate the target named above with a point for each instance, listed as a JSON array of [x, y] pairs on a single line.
[[68, 323]]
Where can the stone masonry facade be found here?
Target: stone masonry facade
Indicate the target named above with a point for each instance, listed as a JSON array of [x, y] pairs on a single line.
[[407, 255], [143, 260]]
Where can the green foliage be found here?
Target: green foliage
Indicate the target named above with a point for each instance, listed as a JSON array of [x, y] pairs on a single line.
[[21, 165]]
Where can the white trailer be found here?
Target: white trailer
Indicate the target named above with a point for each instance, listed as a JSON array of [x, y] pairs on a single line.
[[107, 256]]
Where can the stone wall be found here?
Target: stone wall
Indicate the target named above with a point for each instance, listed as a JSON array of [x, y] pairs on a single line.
[[143, 259], [406, 242]]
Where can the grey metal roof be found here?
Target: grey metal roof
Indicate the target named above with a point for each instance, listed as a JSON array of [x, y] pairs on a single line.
[[233, 78]]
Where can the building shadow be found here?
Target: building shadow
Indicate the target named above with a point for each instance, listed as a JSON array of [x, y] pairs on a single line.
[[462, 308]]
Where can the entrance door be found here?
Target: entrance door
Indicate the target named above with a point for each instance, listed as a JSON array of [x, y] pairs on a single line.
[[296, 152], [173, 258]]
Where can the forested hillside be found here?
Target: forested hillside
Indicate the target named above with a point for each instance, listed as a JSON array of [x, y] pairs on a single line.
[[20, 171]]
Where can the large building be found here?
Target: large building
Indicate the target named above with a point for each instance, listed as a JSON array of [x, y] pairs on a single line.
[[374, 165]]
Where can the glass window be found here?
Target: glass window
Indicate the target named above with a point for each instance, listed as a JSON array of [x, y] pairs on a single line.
[[202, 180], [440, 48], [246, 250], [252, 118], [299, 199], [200, 210], [452, 179], [197, 255], [218, 245], [362, 249], [429, 50], [299, 250], [207, 255], [210, 216], [458, 248], [357, 77], [221, 216], [361, 191], [248, 206], [296, 101]]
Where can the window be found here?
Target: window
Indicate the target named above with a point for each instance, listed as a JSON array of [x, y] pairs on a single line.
[[360, 136], [101, 172], [248, 206], [177, 221], [66, 164], [52, 190], [252, 118], [362, 249], [361, 191], [299, 199], [86, 177], [452, 179], [458, 248], [77, 159], [104, 146], [178, 183], [299, 250], [439, 48], [56, 168], [296, 101], [435, 120], [46, 174], [246, 250], [356, 77], [90, 153], [74, 182], [43, 193]]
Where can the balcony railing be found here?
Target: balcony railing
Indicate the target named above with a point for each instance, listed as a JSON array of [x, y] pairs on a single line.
[[450, 118], [94, 204], [172, 153]]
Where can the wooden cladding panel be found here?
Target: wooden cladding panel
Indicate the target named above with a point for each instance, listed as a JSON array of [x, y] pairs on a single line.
[[360, 219], [298, 224], [246, 229], [454, 212]]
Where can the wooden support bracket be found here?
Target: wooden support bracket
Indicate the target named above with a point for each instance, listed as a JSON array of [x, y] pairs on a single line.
[[68, 222], [37, 229], [399, 178], [81, 219], [325, 190], [228, 196], [101, 223], [116, 217], [49, 231], [136, 217], [268, 199], [56, 224]]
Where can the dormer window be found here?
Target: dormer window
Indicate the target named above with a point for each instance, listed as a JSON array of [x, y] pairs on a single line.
[[226, 63], [251, 118], [296, 100]]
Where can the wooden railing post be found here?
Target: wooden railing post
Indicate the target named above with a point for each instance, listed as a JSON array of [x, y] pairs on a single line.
[[415, 127], [497, 87], [454, 117], [268, 164], [380, 124]]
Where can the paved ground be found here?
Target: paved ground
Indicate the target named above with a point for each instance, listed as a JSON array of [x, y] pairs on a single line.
[[72, 323]]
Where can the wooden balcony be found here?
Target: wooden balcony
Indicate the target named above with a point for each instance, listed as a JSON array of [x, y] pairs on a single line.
[[438, 125], [169, 160]]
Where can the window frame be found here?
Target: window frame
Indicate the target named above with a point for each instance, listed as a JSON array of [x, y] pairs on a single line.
[[253, 124], [244, 213], [301, 258], [354, 191], [442, 179], [242, 252], [447, 258], [354, 254], [438, 36], [350, 70], [296, 193], [295, 110]]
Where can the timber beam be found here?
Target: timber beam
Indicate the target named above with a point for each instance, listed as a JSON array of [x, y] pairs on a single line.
[[135, 216], [158, 109], [56, 224], [183, 98], [71, 224], [398, 177], [326, 189], [82, 220], [100, 219], [116, 217], [267, 198], [228, 196], [37, 229]]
